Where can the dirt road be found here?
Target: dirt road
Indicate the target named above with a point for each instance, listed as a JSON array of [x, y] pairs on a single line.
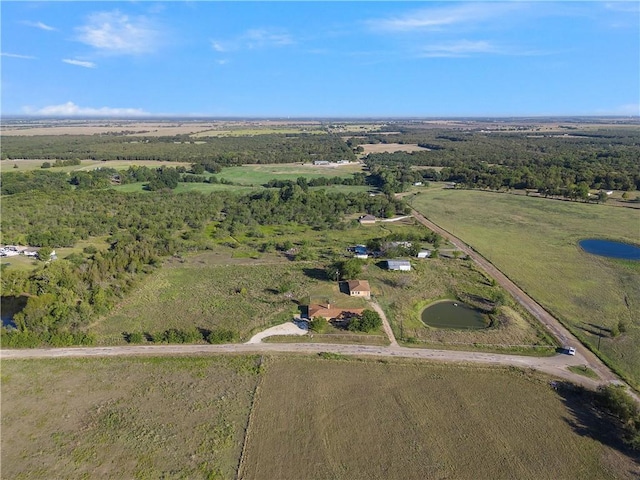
[[385, 324], [556, 366], [548, 320]]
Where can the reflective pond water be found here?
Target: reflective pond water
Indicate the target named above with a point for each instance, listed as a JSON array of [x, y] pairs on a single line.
[[450, 314], [611, 249]]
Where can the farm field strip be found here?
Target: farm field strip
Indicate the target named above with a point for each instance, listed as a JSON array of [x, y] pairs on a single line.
[[346, 419]]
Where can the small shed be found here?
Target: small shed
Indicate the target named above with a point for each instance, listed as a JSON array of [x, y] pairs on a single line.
[[403, 265], [424, 253], [367, 220]]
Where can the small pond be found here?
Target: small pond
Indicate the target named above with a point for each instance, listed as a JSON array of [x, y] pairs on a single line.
[[450, 314], [608, 248]]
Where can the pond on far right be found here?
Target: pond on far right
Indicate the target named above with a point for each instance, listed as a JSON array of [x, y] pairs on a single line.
[[610, 248]]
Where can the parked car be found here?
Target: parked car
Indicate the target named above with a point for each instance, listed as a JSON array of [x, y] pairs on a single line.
[[569, 350]]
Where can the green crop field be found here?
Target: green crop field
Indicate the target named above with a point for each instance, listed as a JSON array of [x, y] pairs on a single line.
[[260, 174], [349, 419], [138, 187], [143, 418], [294, 417], [534, 241]]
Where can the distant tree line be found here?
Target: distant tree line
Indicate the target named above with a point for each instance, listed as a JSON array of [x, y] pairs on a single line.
[[222, 151], [553, 165]]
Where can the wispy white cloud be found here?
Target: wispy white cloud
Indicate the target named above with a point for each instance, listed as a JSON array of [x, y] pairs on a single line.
[[261, 38], [16, 55], [467, 48], [79, 63], [40, 25], [626, 7], [117, 33], [254, 39], [439, 18], [70, 109], [462, 48], [218, 47]]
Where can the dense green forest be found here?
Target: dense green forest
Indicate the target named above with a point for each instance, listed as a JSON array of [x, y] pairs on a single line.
[[552, 164], [224, 151], [64, 295]]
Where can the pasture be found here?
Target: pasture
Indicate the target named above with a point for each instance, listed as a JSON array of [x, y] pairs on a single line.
[[143, 418], [350, 419], [534, 241]]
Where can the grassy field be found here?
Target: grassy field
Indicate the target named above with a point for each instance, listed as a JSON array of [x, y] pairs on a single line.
[[534, 242], [307, 417], [142, 418], [241, 295], [349, 419], [403, 295], [236, 286], [260, 174]]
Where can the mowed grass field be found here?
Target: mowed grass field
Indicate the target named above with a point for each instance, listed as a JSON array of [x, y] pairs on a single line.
[[257, 175], [350, 419], [298, 417], [142, 418], [534, 241]]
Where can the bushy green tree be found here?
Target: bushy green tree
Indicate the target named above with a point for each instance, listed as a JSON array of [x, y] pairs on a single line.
[[367, 322]]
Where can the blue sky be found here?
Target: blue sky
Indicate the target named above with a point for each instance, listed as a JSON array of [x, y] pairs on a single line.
[[323, 59]]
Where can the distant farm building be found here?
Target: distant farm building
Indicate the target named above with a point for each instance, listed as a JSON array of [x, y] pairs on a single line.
[[424, 253], [322, 162], [403, 265], [330, 312], [359, 288], [367, 220]]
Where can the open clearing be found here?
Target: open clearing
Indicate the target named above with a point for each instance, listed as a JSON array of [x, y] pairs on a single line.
[[240, 296], [350, 419], [390, 147], [260, 174], [312, 418], [143, 418], [534, 242]]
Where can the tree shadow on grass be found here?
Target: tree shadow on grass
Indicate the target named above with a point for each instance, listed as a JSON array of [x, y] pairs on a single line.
[[315, 273], [597, 331], [589, 420]]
